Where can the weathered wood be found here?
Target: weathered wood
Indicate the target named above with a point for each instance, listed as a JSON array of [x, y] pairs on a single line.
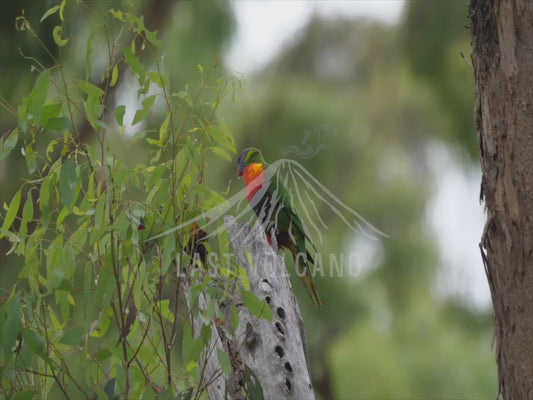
[[213, 377], [502, 42], [275, 351]]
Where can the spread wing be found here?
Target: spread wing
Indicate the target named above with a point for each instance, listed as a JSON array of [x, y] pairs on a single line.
[[302, 196], [308, 196]]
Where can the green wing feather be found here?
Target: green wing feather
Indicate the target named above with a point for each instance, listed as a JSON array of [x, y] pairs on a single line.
[[289, 225]]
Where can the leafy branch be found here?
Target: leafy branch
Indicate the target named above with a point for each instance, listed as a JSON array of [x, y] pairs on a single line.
[[90, 278]]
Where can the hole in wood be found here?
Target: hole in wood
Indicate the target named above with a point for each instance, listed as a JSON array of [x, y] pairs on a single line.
[[288, 366], [251, 337], [280, 328], [268, 299], [288, 385], [280, 351], [281, 312], [265, 280]]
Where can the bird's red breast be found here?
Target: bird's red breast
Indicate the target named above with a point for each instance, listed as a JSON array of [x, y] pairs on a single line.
[[254, 179]]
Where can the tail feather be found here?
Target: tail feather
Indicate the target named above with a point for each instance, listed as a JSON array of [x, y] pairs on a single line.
[[302, 264], [311, 288], [309, 258]]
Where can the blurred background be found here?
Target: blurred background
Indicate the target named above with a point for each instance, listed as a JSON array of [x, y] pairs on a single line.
[[374, 99]]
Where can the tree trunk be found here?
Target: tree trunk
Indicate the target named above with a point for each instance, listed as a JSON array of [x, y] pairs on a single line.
[[276, 352], [502, 39], [273, 354]]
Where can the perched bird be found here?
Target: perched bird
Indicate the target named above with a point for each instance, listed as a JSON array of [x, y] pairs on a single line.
[[196, 246], [270, 202]]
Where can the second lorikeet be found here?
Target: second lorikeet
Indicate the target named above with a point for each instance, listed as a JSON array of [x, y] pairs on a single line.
[[270, 201]]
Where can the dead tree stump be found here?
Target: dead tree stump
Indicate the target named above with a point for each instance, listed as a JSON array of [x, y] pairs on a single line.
[[275, 351], [271, 354]]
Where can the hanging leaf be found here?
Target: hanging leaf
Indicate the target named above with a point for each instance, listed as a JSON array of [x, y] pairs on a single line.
[[221, 138], [166, 312], [57, 33], [141, 115], [249, 258], [90, 89], [33, 104], [119, 114], [88, 57], [133, 61], [62, 10], [224, 360], [191, 349], [244, 277], [163, 131], [256, 306], [221, 153], [26, 395], [27, 214], [68, 180], [109, 389], [251, 384], [9, 143], [159, 79], [73, 336], [12, 325], [11, 212], [234, 318], [114, 76], [44, 199], [31, 158], [50, 11], [36, 344]]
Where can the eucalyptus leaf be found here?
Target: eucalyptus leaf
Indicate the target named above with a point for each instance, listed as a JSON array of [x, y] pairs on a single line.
[[119, 114], [12, 211], [7, 145], [57, 34], [50, 11], [73, 336], [256, 306], [68, 180], [141, 115], [224, 360]]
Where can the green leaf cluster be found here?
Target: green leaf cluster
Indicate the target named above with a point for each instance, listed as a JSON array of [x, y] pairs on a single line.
[[105, 303]]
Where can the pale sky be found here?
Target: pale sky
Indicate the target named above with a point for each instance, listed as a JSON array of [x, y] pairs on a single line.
[[457, 218], [263, 27]]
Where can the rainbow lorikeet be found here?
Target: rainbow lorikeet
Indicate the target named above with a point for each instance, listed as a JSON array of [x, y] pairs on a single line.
[[270, 202]]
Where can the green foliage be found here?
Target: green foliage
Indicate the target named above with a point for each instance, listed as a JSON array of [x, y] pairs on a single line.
[[417, 359], [100, 308], [435, 34], [258, 307], [8, 143]]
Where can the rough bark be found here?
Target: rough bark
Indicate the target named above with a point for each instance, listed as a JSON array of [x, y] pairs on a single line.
[[502, 39], [212, 371], [275, 351]]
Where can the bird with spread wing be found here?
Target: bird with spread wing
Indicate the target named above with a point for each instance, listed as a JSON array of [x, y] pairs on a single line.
[[270, 190], [270, 201]]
